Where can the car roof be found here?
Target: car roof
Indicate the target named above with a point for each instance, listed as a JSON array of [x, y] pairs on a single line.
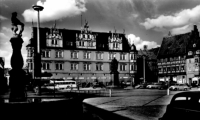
[[187, 93]]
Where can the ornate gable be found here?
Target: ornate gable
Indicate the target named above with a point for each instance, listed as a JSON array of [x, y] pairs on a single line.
[[115, 42], [86, 39], [54, 38]]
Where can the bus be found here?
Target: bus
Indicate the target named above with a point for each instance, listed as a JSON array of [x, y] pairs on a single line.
[[63, 84], [55, 84]]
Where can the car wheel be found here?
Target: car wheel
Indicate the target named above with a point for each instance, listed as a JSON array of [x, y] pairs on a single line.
[[185, 89], [175, 89]]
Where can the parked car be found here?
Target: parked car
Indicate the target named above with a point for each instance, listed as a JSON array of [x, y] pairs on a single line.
[[157, 86], [183, 106], [142, 86], [180, 87], [96, 85]]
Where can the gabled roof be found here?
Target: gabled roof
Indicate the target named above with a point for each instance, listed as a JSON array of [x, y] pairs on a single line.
[[178, 45], [174, 45]]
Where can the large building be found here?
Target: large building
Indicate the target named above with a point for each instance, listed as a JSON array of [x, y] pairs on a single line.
[[82, 55], [193, 58], [175, 55]]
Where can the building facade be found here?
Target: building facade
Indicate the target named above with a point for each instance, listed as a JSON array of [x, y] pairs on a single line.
[[193, 58], [173, 57], [82, 55]]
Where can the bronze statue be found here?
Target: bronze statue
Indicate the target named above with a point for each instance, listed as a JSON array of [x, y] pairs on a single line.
[[15, 23]]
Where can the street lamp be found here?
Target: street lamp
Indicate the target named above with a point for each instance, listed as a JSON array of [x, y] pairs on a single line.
[[144, 68], [38, 55]]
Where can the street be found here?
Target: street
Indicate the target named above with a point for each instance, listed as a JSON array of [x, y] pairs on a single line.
[[137, 104]]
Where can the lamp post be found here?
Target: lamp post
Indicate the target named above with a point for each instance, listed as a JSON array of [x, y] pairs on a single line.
[[144, 68], [38, 55]]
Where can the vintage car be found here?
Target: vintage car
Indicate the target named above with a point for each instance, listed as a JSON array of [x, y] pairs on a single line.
[[179, 87], [183, 106], [157, 86]]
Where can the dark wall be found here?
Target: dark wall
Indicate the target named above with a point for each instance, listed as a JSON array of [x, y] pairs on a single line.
[[150, 75]]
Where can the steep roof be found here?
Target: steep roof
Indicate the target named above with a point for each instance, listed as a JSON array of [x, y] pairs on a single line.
[[174, 45], [70, 35], [179, 44]]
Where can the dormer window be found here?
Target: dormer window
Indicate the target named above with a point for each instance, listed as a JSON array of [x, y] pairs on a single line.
[[54, 40], [198, 52], [190, 53]]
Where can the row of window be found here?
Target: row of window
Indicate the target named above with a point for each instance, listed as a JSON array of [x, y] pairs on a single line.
[[175, 68], [191, 52], [172, 59], [74, 66], [86, 55]]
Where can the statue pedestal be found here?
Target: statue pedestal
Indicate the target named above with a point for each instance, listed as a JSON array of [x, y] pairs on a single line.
[[17, 74]]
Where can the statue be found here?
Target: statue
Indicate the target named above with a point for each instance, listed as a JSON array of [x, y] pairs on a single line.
[[15, 23], [17, 74], [114, 64], [114, 72]]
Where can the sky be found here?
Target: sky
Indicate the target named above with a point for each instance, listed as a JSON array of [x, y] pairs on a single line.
[[145, 22]]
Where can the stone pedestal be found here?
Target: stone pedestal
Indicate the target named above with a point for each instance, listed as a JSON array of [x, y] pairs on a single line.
[[17, 74], [115, 78]]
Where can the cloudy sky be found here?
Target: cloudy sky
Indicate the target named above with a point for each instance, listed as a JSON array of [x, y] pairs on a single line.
[[145, 22]]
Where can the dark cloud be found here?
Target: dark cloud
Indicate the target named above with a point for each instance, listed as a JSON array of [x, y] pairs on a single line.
[[172, 6], [145, 8]]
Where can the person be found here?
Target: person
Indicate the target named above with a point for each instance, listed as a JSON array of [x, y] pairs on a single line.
[[15, 23]]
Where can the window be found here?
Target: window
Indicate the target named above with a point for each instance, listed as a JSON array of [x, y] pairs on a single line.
[[198, 52], [122, 56], [99, 56], [30, 53], [46, 66], [122, 67], [74, 66], [59, 54], [132, 67], [190, 53], [132, 56], [86, 66], [196, 60], [46, 54], [86, 55], [74, 55], [182, 68], [30, 66], [59, 66], [111, 56], [177, 68], [54, 42], [99, 66]]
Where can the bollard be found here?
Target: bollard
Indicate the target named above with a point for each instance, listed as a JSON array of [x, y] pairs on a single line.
[[168, 91]]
